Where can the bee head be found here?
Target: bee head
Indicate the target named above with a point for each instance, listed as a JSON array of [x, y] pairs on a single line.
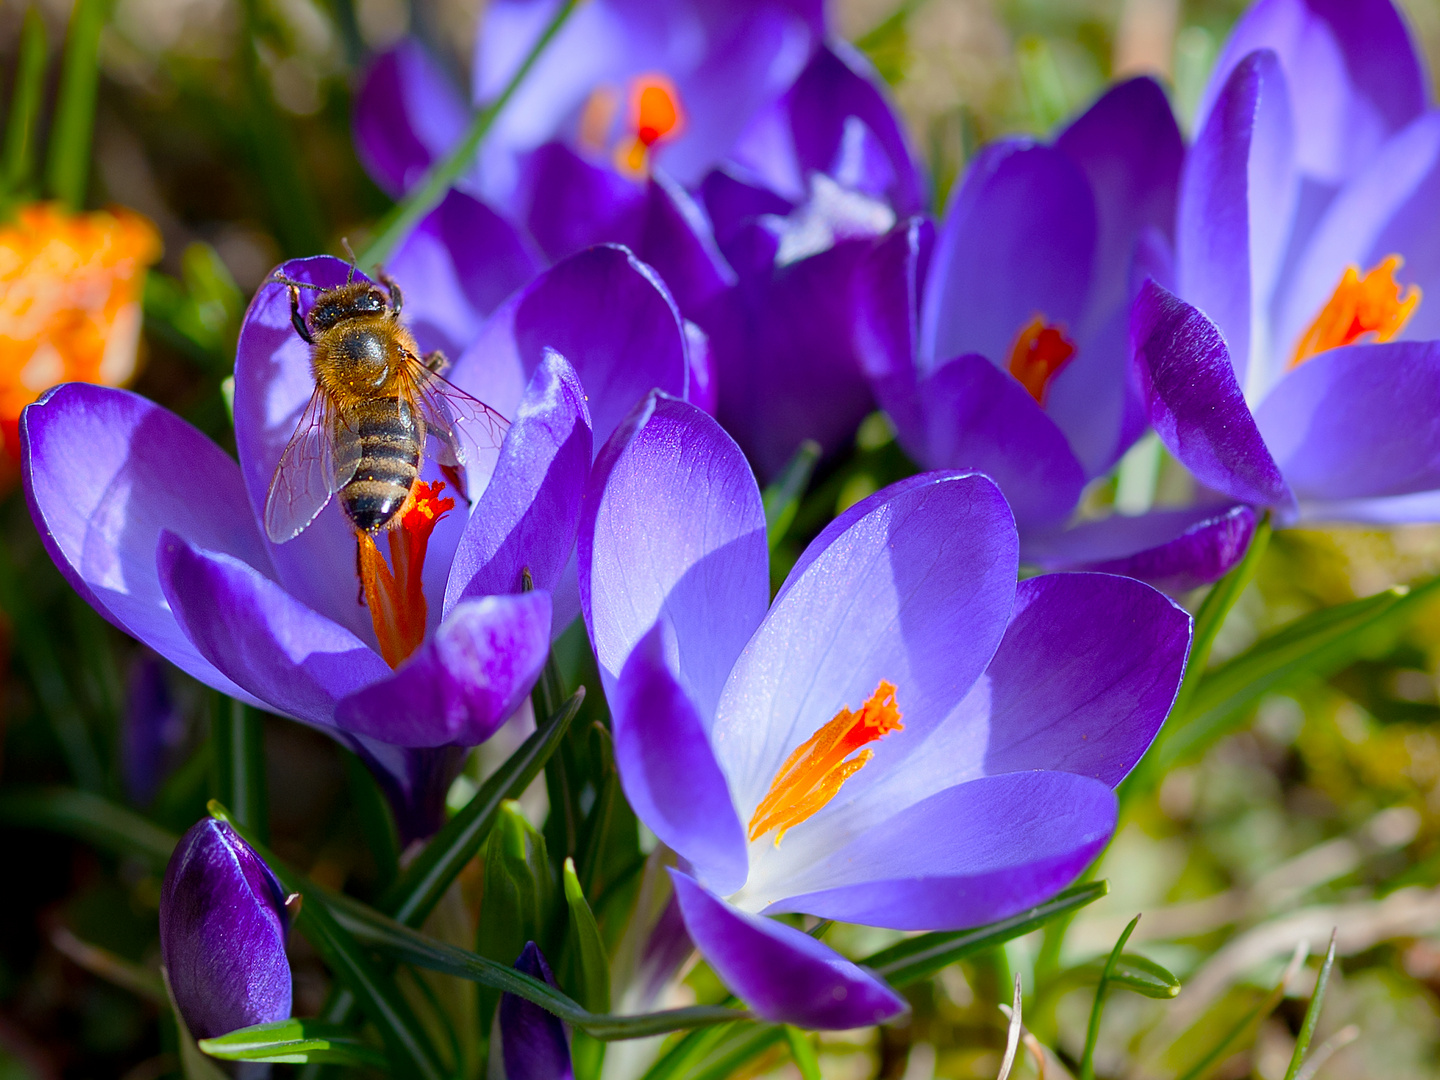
[[354, 301]]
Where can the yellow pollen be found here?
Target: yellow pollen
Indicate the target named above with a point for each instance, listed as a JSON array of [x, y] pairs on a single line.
[[396, 597], [1371, 308], [812, 775]]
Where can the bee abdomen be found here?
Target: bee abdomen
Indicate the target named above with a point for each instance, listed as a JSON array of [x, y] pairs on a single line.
[[390, 448]]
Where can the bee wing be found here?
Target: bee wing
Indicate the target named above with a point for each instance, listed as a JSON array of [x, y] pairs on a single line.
[[318, 461], [465, 428]]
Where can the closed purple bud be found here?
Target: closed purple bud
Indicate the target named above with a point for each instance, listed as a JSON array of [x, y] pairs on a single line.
[[532, 1040], [222, 933]]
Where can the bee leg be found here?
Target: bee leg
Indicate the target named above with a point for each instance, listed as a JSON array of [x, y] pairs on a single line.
[[298, 320], [435, 362], [396, 299]]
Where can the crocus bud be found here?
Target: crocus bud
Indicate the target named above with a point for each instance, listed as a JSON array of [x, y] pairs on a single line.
[[222, 933], [532, 1040]]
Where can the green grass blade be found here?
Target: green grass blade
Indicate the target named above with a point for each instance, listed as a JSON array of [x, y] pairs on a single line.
[[1312, 1013], [802, 1052], [782, 497], [1137, 974], [919, 957], [18, 164], [586, 966], [89, 817], [1249, 1022], [296, 1041], [67, 168], [239, 734], [425, 880], [1097, 1010]]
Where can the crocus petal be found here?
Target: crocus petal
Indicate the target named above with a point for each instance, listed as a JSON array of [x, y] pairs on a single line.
[[533, 1041], [222, 933], [1173, 550], [527, 517], [568, 202], [979, 418], [1358, 422], [273, 384], [1352, 68], [887, 303], [99, 467], [1423, 506], [668, 770], [1018, 238], [407, 113], [463, 682], [607, 313], [1237, 201], [781, 973], [916, 592], [294, 660], [966, 856], [456, 267], [677, 239], [674, 530], [1195, 402]]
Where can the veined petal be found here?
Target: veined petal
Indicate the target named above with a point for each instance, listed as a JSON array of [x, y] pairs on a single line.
[[102, 482], [533, 1041], [784, 975], [463, 682]]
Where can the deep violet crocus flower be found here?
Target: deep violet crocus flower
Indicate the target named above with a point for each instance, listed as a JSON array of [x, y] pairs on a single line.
[[1291, 361], [159, 530], [533, 1042], [223, 923], [998, 342], [904, 738]]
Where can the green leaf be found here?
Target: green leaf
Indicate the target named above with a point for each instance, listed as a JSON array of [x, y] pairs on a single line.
[[782, 496], [91, 818], [1312, 1013], [67, 168], [585, 968], [425, 880], [887, 45], [922, 956], [1092, 1035], [18, 165], [296, 1042], [377, 821], [426, 195], [1313, 646], [1137, 974], [802, 1052], [376, 994], [519, 895], [1247, 1023], [239, 735]]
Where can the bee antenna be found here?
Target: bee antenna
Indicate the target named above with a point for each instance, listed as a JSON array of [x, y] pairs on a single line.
[[345, 243], [281, 279]]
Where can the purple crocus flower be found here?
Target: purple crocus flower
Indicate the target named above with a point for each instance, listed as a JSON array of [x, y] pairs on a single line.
[[998, 342], [159, 530], [904, 738], [1291, 361], [222, 933], [533, 1042]]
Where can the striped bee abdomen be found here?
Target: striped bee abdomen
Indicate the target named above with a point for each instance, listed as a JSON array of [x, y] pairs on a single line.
[[391, 439]]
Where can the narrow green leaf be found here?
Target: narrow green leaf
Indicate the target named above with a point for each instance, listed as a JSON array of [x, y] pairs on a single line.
[[18, 165], [67, 168], [919, 957], [296, 1041], [1092, 1035], [426, 195], [802, 1052], [377, 821], [1249, 1022], [585, 968], [239, 734], [425, 880], [89, 817], [745, 1044], [1312, 1013], [782, 497], [519, 896], [377, 996], [1137, 974]]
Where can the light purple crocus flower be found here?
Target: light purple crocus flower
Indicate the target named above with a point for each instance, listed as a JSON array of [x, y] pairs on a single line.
[[1314, 183], [797, 208], [159, 530], [1000, 717], [223, 924], [533, 1041], [999, 341]]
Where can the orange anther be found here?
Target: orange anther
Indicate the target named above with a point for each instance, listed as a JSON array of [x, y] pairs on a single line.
[[812, 775], [1039, 352], [655, 116], [1358, 308], [395, 593]]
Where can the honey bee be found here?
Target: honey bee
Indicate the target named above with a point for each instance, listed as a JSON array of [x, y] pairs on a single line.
[[363, 433]]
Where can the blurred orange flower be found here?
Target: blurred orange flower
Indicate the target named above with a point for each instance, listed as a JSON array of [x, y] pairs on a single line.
[[70, 291]]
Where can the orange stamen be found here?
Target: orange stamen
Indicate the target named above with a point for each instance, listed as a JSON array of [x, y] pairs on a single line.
[[396, 597], [655, 116], [1039, 353], [1358, 308], [812, 775]]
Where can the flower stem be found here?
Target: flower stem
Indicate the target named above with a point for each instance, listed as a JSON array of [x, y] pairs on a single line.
[[67, 169], [240, 765], [407, 213]]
